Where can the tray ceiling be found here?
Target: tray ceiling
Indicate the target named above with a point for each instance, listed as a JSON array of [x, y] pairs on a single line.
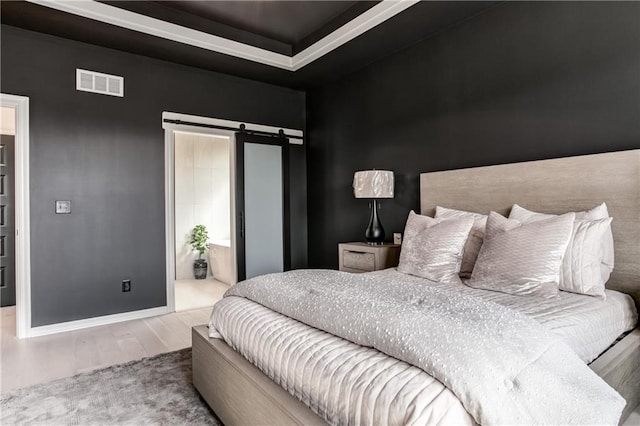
[[291, 43]]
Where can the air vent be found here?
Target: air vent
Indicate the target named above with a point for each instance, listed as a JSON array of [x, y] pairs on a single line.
[[96, 82]]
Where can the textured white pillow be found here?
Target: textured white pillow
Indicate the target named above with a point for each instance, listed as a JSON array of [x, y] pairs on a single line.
[[476, 235], [582, 263], [596, 213], [522, 258], [432, 248]]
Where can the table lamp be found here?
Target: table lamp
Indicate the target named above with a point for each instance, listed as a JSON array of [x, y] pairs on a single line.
[[373, 184]]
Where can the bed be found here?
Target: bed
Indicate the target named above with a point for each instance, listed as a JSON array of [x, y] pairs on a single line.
[[240, 393]]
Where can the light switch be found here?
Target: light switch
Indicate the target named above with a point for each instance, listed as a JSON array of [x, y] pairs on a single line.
[[63, 206]]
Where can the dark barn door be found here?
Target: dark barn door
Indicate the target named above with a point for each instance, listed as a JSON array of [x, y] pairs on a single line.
[[262, 205], [7, 223]]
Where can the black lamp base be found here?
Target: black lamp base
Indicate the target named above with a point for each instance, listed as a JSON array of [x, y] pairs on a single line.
[[375, 232]]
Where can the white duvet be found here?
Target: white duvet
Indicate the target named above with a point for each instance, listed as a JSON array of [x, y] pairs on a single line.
[[344, 383], [502, 366]]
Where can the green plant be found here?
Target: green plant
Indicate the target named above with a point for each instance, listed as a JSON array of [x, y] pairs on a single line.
[[199, 238]]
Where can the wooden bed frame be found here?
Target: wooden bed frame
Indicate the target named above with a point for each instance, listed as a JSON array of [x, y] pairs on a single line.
[[239, 393]]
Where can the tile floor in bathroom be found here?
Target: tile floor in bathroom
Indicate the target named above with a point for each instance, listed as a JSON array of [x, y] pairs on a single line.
[[196, 294]]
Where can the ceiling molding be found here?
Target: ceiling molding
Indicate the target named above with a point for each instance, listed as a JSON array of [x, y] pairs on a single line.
[[145, 24], [379, 13]]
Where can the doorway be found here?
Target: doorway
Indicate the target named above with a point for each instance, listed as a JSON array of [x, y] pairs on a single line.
[[202, 197], [7, 207], [18, 123], [247, 213]]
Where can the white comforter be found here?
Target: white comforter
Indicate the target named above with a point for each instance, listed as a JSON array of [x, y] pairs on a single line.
[[343, 383], [502, 366]]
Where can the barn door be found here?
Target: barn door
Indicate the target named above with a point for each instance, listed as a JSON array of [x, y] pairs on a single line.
[[262, 205]]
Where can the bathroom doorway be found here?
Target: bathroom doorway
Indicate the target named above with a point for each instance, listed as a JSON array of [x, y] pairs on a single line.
[[202, 196], [231, 241]]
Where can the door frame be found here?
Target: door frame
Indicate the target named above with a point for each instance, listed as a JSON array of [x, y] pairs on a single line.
[[169, 197], [169, 179], [22, 217]]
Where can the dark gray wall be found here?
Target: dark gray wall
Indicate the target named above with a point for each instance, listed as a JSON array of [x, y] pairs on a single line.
[[105, 154], [523, 81]]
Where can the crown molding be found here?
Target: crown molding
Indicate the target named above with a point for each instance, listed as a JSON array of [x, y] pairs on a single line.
[[371, 18], [379, 13], [156, 27]]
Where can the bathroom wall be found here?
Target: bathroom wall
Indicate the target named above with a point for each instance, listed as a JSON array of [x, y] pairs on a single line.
[[7, 121], [202, 194]]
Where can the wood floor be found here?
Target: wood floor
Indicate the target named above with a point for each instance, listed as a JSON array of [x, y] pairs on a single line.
[[25, 362]]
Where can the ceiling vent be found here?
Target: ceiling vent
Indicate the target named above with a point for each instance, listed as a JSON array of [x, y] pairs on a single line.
[[97, 82]]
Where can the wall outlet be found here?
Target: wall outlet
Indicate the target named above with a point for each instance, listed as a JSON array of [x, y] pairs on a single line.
[[126, 286]]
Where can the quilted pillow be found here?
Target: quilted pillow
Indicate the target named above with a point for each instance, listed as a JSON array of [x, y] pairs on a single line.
[[606, 242], [476, 235], [432, 248], [522, 258], [582, 264]]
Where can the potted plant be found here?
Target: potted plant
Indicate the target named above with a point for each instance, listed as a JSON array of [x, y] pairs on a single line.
[[199, 238]]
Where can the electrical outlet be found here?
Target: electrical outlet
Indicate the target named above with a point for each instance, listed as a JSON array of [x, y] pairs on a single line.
[[126, 286]]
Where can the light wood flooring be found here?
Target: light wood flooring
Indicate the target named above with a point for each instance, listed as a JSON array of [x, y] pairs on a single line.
[[25, 362]]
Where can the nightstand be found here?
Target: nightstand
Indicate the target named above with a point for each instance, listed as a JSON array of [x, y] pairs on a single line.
[[362, 257]]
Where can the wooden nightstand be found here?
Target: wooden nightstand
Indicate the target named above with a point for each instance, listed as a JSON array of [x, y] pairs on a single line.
[[362, 257]]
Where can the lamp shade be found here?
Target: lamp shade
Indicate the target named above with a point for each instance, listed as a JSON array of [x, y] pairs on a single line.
[[373, 184]]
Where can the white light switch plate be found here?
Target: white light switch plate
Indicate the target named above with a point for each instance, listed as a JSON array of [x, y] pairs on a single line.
[[63, 206]]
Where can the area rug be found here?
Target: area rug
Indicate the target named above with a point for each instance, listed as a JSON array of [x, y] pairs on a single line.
[[152, 391]]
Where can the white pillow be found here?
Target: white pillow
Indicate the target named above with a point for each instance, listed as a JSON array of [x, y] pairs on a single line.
[[596, 213], [522, 258], [582, 263], [476, 235], [432, 248]]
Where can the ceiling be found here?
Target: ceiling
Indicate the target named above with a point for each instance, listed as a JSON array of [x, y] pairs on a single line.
[[297, 44], [285, 27]]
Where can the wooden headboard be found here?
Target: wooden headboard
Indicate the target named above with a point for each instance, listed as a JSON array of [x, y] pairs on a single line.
[[554, 186]]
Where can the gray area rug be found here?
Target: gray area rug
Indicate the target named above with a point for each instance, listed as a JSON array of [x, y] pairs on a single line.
[[152, 391]]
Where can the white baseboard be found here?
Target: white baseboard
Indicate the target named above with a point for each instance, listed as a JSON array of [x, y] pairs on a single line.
[[94, 322]]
